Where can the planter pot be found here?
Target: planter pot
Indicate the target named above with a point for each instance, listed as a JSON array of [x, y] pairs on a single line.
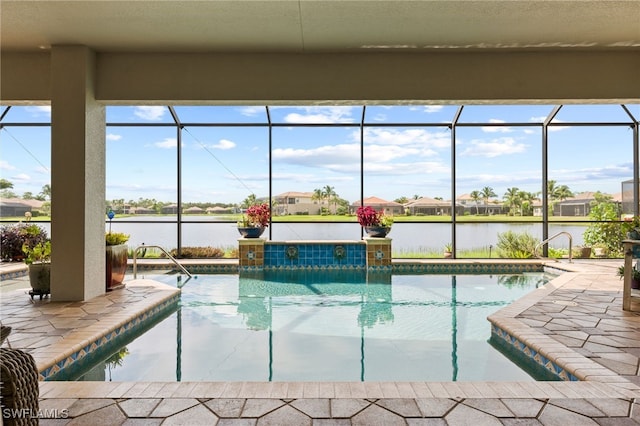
[[599, 252], [584, 252], [251, 232], [116, 266], [377, 231], [40, 278], [635, 284], [448, 254]]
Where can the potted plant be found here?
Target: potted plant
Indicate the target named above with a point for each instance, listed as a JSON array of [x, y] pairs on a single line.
[[448, 250], [254, 221], [375, 223], [635, 276], [38, 259], [14, 237], [116, 259], [599, 250]]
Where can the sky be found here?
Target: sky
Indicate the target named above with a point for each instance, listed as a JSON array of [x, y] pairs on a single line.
[[227, 163]]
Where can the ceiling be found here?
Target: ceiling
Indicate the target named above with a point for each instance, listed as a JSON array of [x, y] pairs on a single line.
[[319, 26]]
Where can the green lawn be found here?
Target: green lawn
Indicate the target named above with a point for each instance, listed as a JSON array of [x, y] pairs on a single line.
[[352, 218]]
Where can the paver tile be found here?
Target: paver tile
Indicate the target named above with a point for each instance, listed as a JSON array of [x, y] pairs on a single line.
[[374, 415], [225, 407], [315, 408], [139, 407], [556, 416], [463, 415], [527, 407], [260, 406], [405, 407], [196, 415], [435, 407], [285, 416], [581, 406], [83, 406], [495, 407], [344, 408], [170, 406]]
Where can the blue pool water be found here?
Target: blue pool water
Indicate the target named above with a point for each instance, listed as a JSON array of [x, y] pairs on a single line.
[[322, 326]]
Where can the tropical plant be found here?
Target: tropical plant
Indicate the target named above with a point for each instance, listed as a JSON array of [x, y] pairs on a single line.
[[512, 245], [368, 216], [486, 193], [605, 230], [116, 238], [41, 252], [635, 273], [475, 196], [512, 200], [14, 237], [256, 216], [556, 193]]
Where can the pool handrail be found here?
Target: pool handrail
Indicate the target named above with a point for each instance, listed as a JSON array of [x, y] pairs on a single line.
[[535, 250], [173, 259]]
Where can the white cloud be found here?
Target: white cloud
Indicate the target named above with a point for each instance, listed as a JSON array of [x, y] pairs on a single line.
[[496, 129], [252, 111], [224, 144], [494, 148], [39, 110], [21, 177], [322, 156], [432, 108], [113, 137], [167, 143], [152, 113], [420, 138], [316, 114], [4, 165]]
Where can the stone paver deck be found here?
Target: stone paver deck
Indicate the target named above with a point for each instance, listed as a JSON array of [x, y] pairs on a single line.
[[577, 320]]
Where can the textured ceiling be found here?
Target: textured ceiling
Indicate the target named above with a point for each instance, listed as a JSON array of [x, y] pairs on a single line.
[[318, 26]]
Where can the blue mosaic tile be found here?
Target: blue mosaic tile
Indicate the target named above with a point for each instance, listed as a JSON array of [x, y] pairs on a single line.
[[533, 355]]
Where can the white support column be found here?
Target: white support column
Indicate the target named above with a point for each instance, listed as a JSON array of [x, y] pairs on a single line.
[[77, 177]]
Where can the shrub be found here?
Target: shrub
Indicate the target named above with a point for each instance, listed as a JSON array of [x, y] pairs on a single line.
[[14, 237], [199, 252], [607, 232], [516, 246]]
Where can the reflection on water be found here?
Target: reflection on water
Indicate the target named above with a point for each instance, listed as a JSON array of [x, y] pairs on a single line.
[[321, 326]]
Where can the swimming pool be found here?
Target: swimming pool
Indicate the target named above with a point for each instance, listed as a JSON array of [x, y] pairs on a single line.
[[325, 326]]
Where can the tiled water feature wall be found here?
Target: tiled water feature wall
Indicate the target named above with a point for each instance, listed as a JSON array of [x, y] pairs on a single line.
[[259, 254]]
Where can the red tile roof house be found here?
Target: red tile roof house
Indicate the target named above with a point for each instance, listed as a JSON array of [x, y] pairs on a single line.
[[389, 207]]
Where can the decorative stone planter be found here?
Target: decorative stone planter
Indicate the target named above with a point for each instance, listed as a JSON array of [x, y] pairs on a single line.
[[116, 266]]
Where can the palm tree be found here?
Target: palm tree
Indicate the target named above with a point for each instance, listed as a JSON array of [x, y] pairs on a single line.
[[525, 201], [487, 192], [512, 199], [249, 201], [329, 193], [556, 193], [475, 196], [46, 191]]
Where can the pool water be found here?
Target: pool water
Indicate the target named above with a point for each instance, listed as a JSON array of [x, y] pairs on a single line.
[[322, 326]]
